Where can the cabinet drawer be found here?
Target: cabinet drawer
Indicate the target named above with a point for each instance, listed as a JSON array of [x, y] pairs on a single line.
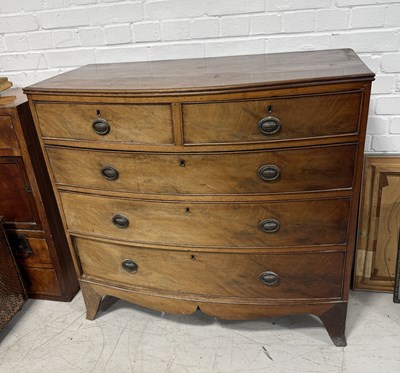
[[137, 124], [29, 251], [291, 276], [312, 222], [40, 281], [299, 117], [261, 172]]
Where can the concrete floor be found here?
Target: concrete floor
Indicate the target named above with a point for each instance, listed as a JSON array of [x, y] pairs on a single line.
[[55, 337]]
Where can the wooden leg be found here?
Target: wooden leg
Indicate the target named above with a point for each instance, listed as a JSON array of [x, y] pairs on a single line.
[[334, 321], [92, 300]]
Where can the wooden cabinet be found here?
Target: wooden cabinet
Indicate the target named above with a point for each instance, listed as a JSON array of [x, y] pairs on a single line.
[[225, 184], [31, 218]]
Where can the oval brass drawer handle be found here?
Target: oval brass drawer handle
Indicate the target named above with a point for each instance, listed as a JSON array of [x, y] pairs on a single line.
[[120, 221], [269, 125], [269, 278], [110, 173], [101, 126], [270, 225], [130, 266], [269, 172]]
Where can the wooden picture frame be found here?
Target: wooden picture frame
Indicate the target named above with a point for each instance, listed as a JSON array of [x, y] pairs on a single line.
[[379, 221]]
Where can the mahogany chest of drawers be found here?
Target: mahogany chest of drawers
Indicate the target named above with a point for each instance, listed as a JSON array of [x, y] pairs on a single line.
[[225, 184], [31, 219]]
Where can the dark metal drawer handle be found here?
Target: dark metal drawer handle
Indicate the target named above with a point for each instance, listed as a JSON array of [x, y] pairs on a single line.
[[129, 266], [269, 125], [101, 126], [20, 246], [110, 173], [120, 221], [270, 225], [269, 278], [269, 172]]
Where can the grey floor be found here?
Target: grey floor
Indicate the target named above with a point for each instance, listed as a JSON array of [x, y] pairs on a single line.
[[55, 337]]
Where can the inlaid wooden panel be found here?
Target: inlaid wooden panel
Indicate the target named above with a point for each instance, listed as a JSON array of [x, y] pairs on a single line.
[[313, 222], [324, 168], [378, 234], [300, 117], [299, 276], [138, 124]]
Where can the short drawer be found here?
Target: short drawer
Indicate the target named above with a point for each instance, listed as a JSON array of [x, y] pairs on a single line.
[[29, 251], [272, 119], [136, 124], [40, 281], [256, 172], [257, 224], [275, 276]]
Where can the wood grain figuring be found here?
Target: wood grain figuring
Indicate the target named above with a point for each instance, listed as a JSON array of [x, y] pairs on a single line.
[[176, 195], [214, 274], [137, 124], [325, 168], [16, 202], [226, 122], [8, 139], [218, 224], [39, 254], [208, 74], [41, 282], [379, 227]]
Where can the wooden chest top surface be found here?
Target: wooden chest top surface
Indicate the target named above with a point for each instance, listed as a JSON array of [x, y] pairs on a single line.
[[204, 74]]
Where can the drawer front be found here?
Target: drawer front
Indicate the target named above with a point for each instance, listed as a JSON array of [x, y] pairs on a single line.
[[258, 224], [307, 169], [29, 251], [137, 124], [8, 138], [40, 281], [286, 276], [16, 202], [298, 118]]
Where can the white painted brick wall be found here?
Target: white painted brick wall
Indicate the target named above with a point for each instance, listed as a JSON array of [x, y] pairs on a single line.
[[42, 38]]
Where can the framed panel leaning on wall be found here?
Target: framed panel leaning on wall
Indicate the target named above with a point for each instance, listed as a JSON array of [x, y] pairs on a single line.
[[379, 222], [396, 294]]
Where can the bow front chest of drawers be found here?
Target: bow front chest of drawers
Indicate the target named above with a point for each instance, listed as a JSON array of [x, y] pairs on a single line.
[[225, 184]]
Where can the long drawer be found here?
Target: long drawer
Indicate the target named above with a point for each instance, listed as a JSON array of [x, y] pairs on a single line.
[[136, 124], [277, 276], [281, 118], [257, 172], [257, 224]]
